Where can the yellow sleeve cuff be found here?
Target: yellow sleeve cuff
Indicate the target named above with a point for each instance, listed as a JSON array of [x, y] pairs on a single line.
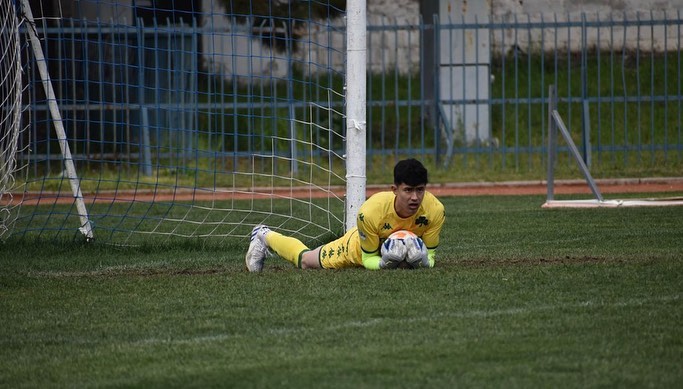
[[371, 260]]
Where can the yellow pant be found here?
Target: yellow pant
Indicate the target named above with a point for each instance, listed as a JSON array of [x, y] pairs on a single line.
[[342, 252]]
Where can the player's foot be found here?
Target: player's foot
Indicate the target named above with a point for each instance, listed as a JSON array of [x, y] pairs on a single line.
[[258, 250]]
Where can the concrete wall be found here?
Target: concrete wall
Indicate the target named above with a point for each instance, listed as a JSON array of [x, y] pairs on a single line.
[[658, 38], [400, 49], [508, 7], [235, 52]]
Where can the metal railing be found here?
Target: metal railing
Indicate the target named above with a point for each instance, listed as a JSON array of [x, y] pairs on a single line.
[[618, 81]]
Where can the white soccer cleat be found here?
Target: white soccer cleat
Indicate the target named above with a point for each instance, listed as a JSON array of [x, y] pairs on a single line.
[[258, 250]]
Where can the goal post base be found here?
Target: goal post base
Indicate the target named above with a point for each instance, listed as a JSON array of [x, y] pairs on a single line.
[[557, 127], [593, 203]]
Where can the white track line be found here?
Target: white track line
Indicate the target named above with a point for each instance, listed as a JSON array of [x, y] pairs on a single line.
[[298, 331]]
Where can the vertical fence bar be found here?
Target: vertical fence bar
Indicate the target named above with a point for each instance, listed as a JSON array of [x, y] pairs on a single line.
[[587, 158], [383, 109], [437, 89], [409, 105], [463, 136], [112, 102], [477, 133], [552, 143], [292, 113], [370, 79], [598, 59], [515, 57], [194, 87], [100, 87], [612, 102], [666, 86], [529, 142], [122, 37], [235, 112], [423, 110], [586, 137], [397, 106], [569, 91], [142, 108], [87, 98], [678, 89], [639, 98], [625, 94], [653, 140], [146, 145], [503, 104], [76, 114], [61, 75], [492, 141], [542, 90]]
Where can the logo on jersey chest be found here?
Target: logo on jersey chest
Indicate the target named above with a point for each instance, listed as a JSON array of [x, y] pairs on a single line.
[[422, 221]]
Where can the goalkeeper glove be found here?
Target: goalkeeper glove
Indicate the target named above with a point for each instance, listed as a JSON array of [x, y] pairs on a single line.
[[416, 253], [393, 252]]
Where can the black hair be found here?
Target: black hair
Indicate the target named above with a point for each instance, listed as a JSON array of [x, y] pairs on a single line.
[[410, 172]]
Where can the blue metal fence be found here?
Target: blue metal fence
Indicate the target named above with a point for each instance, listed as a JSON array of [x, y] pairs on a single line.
[[132, 94], [619, 81]]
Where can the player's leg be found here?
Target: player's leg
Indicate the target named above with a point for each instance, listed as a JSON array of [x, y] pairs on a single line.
[[290, 249], [334, 255], [258, 251], [311, 259], [338, 254]]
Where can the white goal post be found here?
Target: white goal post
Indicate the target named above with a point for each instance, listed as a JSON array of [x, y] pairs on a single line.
[[356, 59], [70, 168]]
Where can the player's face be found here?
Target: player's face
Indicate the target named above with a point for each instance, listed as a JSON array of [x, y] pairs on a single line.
[[408, 199]]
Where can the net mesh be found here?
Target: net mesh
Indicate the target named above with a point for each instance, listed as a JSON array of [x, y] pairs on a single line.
[[192, 120], [10, 97]]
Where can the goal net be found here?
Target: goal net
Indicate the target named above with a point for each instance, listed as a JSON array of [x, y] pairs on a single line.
[[556, 127], [197, 119], [10, 96]]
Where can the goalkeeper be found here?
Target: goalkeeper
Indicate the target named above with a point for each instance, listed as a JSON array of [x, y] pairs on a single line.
[[408, 206]]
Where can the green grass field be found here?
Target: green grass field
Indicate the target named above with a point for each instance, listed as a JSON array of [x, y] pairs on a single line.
[[520, 297]]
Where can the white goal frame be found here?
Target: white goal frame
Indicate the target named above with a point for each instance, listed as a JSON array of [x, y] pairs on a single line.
[[70, 168], [271, 174], [556, 123], [356, 60]]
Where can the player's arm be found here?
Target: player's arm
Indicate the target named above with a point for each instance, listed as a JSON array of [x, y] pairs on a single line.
[[372, 261], [431, 253], [432, 235], [369, 239], [368, 224], [370, 249]]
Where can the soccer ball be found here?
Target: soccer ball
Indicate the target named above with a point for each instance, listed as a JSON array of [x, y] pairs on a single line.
[[404, 249]]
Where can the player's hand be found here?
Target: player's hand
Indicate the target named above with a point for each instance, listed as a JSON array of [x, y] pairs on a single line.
[[393, 253], [416, 255], [388, 263]]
